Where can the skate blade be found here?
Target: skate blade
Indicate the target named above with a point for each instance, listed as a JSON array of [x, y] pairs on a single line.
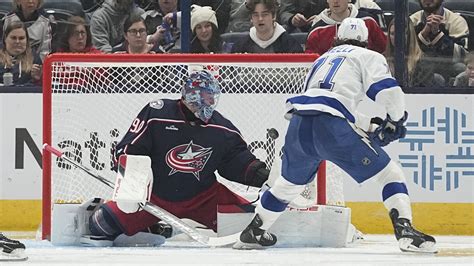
[[247, 246], [428, 247], [15, 255]]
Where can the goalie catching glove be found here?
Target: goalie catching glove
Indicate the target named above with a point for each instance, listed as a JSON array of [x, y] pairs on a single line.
[[388, 130]]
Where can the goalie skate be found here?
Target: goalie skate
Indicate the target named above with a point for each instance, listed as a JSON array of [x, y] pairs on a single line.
[[253, 237], [410, 239], [12, 250]]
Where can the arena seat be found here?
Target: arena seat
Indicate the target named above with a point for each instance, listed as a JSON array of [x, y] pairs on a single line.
[[63, 9], [233, 37], [300, 38]]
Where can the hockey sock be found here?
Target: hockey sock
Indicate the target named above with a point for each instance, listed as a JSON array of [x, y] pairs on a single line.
[[394, 190], [269, 209]]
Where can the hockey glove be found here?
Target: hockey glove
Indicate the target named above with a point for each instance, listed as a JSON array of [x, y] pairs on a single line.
[[388, 130], [257, 174]]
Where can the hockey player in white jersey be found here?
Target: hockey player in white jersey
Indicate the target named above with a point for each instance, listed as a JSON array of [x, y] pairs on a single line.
[[325, 125]]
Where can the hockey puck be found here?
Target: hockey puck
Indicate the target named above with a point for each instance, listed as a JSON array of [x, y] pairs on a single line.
[[273, 133]]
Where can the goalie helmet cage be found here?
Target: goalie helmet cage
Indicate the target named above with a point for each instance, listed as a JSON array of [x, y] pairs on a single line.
[[90, 101]]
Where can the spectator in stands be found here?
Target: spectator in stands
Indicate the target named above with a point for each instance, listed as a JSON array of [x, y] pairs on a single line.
[[442, 35], [135, 43], [16, 56], [135, 38], [222, 9], [154, 17], [77, 37], [239, 17], [266, 35], [163, 24], [298, 15], [107, 23], [420, 72], [367, 4], [466, 78], [322, 35], [40, 26], [204, 25]]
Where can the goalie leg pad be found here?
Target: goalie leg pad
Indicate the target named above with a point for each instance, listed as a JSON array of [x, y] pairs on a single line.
[[140, 239], [71, 221], [102, 223]]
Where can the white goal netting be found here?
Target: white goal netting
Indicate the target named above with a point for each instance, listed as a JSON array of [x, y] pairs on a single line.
[[90, 101]]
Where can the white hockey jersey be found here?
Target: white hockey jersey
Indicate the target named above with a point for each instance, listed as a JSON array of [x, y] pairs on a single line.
[[341, 78]]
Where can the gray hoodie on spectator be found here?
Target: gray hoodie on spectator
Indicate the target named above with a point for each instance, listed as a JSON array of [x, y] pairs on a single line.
[[107, 23], [39, 30]]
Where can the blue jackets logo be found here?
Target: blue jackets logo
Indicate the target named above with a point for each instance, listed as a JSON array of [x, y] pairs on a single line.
[[188, 158]]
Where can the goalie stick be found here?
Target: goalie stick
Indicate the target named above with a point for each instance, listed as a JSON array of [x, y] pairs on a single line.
[[154, 209]]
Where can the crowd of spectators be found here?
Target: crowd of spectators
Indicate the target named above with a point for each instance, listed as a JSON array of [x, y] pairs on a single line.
[[436, 37]]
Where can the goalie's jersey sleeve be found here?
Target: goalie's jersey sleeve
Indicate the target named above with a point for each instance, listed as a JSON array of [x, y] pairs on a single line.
[[185, 156], [342, 77]]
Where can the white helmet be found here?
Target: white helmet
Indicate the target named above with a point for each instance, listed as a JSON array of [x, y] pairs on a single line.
[[353, 29]]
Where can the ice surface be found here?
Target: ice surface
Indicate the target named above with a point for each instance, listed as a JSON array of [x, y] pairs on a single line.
[[374, 250]]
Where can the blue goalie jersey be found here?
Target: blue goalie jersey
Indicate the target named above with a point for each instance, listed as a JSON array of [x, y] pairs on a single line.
[[185, 153]]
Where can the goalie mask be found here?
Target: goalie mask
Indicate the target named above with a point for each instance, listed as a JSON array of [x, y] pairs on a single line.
[[201, 92]]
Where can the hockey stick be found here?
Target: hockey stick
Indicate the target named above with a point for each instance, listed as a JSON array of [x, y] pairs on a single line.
[[153, 209]]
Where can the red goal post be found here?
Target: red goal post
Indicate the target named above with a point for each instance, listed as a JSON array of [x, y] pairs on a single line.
[[89, 102]]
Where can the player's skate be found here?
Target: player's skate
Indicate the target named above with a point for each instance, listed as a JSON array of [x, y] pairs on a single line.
[[11, 249], [253, 237], [410, 239]]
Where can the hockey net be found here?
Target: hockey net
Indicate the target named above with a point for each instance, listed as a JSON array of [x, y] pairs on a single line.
[[91, 100]]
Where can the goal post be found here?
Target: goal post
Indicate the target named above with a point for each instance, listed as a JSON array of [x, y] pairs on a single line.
[[89, 101]]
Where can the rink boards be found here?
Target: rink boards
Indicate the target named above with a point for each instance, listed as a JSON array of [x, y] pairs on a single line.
[[437, 157]]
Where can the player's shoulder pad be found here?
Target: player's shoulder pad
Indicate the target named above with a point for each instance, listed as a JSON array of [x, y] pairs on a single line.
[[157, 104], [160, 107]]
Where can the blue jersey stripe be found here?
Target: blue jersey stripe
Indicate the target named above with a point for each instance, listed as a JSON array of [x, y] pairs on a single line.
[[271, 203], [379, 86], [393, 188], [331, 102]]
